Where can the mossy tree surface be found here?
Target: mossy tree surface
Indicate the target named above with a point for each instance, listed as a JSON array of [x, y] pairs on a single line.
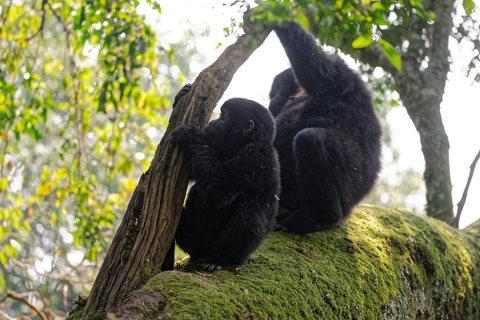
[[383, 264]]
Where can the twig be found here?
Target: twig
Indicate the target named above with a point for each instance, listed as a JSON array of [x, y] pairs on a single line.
[[5, 316], [64, 24], [461, 204], [47, 275], [15, 296], [465, 34], [5, 14], [42, 23]]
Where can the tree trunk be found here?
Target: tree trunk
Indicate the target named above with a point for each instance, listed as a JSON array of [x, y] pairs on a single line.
[[421, 87], [148, 227], [383, 264], [423, 107]]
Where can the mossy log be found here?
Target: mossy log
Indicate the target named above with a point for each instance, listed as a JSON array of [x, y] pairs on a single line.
[[383, 264]]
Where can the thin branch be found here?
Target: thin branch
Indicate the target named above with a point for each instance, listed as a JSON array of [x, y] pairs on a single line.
[[461, 204], [5, 15], [47, 275], [464, 33], [42, 23], [64, 24], [5, 316], [15, 296]]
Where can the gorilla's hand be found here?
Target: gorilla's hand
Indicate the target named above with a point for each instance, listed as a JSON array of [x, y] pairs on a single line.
[[181, 93], [185, 135]]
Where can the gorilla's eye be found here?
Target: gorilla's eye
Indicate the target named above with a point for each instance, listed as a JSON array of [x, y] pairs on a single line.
[[249, 126]]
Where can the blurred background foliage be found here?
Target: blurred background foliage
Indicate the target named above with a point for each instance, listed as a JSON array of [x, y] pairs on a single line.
[[85, 94]]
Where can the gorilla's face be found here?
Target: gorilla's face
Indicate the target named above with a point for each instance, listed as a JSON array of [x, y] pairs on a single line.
[[230, 132]]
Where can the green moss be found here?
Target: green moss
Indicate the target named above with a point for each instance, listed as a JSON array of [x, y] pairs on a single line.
[[77, 310], [146, 271], [382, 264], [203, 97]]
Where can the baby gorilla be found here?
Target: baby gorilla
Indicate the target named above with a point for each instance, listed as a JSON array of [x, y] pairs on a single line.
[[233, 204]]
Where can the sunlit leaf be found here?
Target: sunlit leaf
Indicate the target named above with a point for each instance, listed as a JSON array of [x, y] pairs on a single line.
[[469, 6], [44, 189], [3, 184], [130, 185], [362, 41], [2, 282], [114, 197], [61, 173], [3, 259]]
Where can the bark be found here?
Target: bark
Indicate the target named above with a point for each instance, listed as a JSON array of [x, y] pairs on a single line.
[[383, 264], [148, 227]]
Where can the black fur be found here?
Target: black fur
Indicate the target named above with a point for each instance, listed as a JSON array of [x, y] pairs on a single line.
[[233, 204], [328, 136]]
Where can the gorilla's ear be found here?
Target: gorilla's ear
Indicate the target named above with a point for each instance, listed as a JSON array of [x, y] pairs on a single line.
[[249, 126]]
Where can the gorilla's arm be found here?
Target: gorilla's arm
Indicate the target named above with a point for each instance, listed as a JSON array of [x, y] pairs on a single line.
[[221, 182], [315, 71]]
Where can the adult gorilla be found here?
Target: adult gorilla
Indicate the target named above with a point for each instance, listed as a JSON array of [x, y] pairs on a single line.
[[328, 136]]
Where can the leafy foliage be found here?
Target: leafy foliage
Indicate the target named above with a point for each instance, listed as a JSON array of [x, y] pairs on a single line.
[[82, 106]]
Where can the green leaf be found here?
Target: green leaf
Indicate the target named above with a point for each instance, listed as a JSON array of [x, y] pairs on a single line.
[[3, 259], [392, 54], [3, 184], [61, 173], [303, 3], [2, 282], [362, 41], [378, 6], [44, 189], [379, 19], [416, 4], [469, 6]]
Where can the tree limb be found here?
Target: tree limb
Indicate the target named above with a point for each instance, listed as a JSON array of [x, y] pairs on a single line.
[[382, 264]]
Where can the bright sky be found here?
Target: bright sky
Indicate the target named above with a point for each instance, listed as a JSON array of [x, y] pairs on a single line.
[[460, 107]]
